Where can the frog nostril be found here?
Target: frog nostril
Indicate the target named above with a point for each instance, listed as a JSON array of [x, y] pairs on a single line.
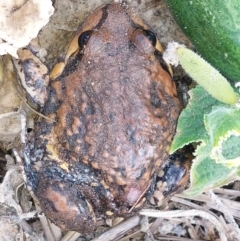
[[83, 38]]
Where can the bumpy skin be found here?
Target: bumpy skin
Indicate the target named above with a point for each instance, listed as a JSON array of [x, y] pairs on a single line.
[[112, 114]]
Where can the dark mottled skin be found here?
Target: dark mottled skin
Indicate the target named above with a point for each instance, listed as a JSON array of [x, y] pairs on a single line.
[[114, 111]]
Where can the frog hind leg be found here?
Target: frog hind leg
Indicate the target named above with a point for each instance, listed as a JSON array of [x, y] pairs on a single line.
[[64, 204], [171, 179]]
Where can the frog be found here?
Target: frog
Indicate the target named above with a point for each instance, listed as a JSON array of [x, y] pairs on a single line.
[[108, 113]]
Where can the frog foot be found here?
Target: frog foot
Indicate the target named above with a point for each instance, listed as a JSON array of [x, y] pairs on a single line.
[[173, 178]]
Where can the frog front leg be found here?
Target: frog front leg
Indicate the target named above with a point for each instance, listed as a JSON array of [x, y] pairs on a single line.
[[33, 77]]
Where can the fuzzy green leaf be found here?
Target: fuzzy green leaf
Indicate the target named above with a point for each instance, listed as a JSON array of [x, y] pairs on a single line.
[[221, 124], [220, 121], [206, 174], [231, 147], [190, 124]]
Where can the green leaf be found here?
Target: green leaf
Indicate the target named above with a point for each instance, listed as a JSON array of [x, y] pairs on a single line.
[[221, 124], [231, 147], [220, 121], [190, 124], [206, 174]]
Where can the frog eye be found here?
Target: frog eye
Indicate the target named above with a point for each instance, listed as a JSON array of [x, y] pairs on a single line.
[[151, 36], [83, 38]]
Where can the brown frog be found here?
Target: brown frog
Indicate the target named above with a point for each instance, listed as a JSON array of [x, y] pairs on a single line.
[[109, 116]]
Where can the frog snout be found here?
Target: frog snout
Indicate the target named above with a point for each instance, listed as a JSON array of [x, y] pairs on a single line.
[[65, 205]]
